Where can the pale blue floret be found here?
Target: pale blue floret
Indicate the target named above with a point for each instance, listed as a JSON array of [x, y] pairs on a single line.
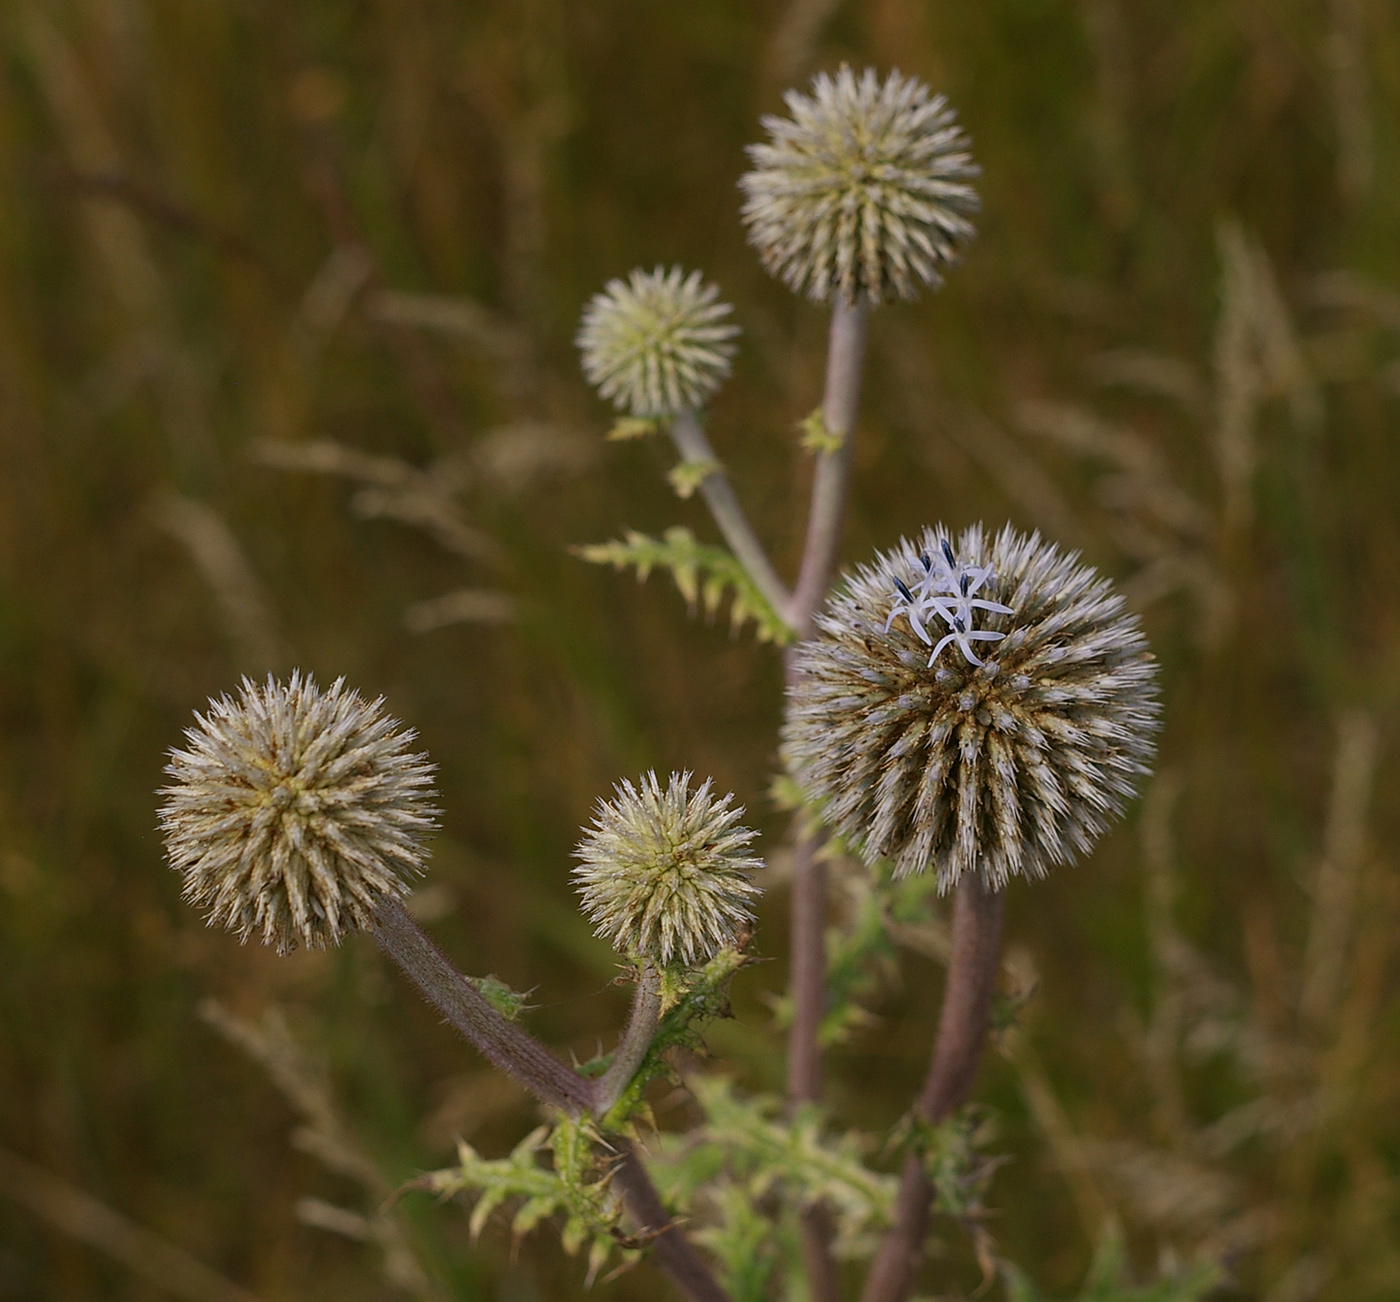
[[947, 590]]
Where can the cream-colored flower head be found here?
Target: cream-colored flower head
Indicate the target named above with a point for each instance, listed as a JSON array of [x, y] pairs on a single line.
[[664, 875], [294, 813], [863, 192], [657, 343], [983, 707]]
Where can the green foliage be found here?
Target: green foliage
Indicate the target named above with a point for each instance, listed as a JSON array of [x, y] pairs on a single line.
[[745, 1143], [626, 428], [574, 1188], [862, 948], [815, 435], [509, 1003], [686, 476], [704, 574], [689, 999]]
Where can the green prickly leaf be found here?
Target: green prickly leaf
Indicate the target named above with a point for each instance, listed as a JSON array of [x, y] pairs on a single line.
[[703, 573]]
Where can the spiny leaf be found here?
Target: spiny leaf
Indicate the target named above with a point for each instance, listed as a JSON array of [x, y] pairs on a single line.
[[815, 435], [632, 427], [575, 1189], [509, 1003], [686, 476], [703, 573]]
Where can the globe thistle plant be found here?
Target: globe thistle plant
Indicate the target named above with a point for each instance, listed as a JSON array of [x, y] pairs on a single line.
[[294, 813], [948, 762], [665, 875], [863, 192], [657, 344]]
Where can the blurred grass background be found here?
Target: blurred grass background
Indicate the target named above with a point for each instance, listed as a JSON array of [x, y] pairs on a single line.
[[366, 230]]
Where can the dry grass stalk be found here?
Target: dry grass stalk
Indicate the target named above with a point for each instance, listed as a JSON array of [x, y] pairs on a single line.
[[92, 1222], [237, 591], [325, 1137]]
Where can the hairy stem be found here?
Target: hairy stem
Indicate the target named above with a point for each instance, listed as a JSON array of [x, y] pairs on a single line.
[[962, 1028], [694, 447], [674, 1253], [514, 1050], [636, 1040], [844, 359], [804, 1064]]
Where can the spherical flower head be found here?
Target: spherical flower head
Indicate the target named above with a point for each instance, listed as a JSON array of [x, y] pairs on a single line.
[[656, 344], [664, 875], [294, 813], [1005, 746], [863, 191]]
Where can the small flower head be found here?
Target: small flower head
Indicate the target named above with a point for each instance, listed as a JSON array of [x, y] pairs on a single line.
[[664, 875], [863, 191], [657, 343], [1001, 750], [294, 813]]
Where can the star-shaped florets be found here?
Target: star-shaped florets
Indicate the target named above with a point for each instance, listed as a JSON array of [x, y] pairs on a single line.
[[948, 591]]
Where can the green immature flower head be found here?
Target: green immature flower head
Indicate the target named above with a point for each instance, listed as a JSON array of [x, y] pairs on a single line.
[[657, 343], [664, 875], [294, 813], [863, 191], [982, 706]]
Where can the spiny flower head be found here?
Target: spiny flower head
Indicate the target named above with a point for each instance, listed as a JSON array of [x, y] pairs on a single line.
[[294, 812], [664, 875], [863, 191], [946, 762], [657, 343]]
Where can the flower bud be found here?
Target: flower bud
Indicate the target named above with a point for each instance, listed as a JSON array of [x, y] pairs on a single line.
[[657, 344], [294, 812], [863, 191], [664, 874]]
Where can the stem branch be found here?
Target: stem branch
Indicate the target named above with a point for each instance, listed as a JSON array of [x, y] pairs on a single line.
[[967, 1006], [674, 1252], [844, 360], [845, 357], [694, 446], [636, 1040], [514, 1050]]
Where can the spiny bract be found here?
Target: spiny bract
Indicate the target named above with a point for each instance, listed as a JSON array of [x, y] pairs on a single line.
[[1004, 767], [658, 343], [664, 874], [294, 812], [863, 191]]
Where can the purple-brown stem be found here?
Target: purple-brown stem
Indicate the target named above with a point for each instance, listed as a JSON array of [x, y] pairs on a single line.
[[962, 1028], [804, 1064], [514, 1050], [694, 446], [845, 357], [844, 360], [674, 1253], [636, 1040], [521, 1056]]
